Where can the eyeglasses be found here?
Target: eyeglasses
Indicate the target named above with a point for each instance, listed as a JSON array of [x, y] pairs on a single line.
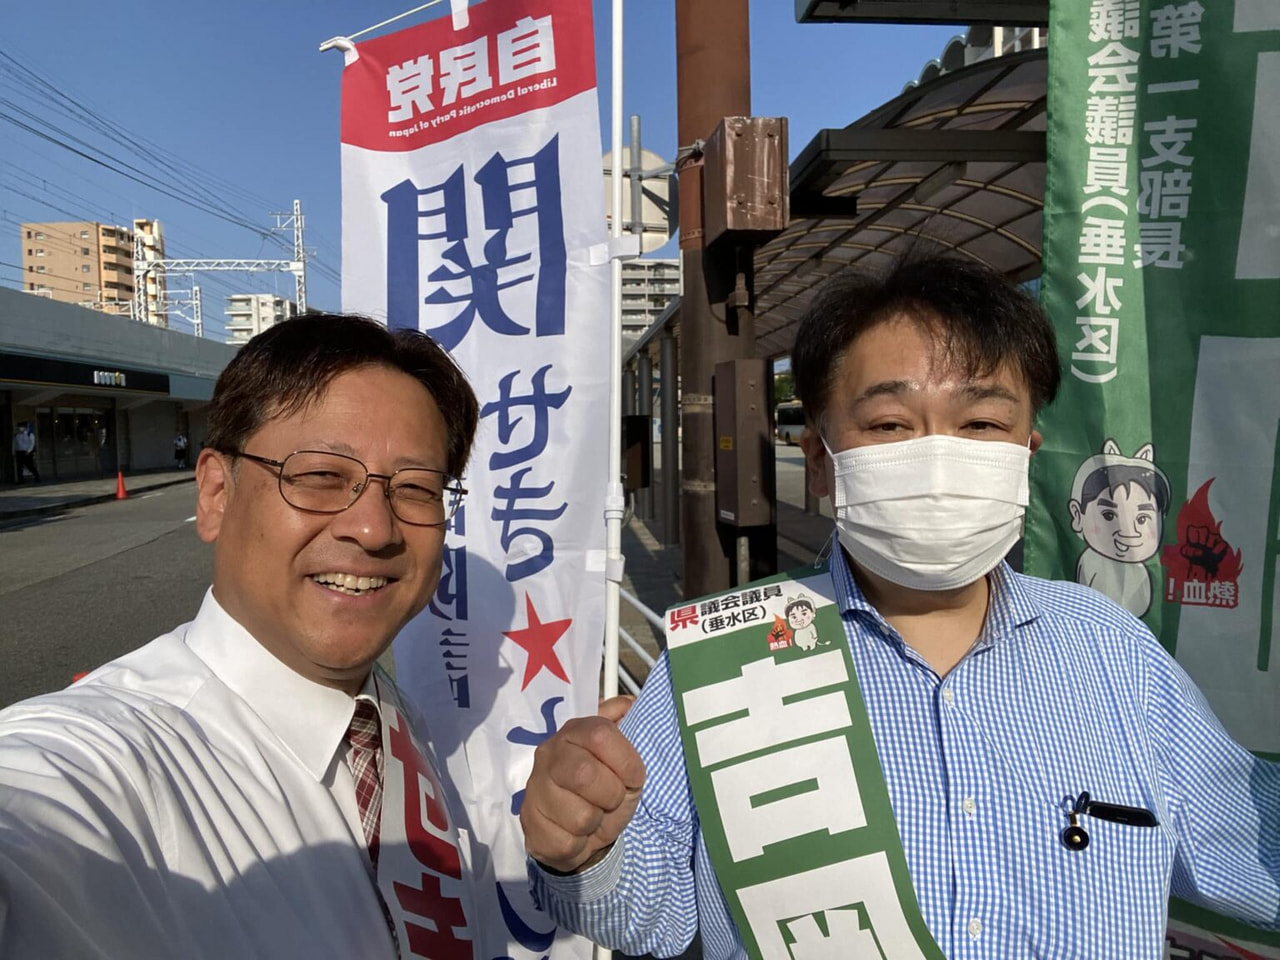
[[322, 482]]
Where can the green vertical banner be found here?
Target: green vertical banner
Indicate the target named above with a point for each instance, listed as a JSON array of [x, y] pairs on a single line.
[[1159, 480]]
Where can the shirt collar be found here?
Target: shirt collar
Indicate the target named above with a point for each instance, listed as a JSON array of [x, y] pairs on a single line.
[[310, 719], [1009, 607]]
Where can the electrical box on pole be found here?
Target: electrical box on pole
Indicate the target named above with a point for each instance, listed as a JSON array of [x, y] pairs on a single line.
[[743, 411], [746, 202], [745, 190]]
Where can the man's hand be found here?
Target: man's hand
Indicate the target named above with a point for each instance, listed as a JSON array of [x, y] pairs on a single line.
[[583, 790]]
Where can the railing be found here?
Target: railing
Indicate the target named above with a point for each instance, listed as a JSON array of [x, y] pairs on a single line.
[[624, 675]]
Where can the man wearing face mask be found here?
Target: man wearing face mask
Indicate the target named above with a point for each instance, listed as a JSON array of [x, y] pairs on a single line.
[[1053, 774]]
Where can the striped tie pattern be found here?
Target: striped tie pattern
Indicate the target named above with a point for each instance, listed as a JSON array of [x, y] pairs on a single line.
[[365, 739]]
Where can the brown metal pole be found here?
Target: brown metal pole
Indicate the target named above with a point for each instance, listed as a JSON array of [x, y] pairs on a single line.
[[713, 81]]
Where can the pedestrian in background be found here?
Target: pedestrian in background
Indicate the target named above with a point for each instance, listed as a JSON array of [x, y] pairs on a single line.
[[24, 451], [180, 450]]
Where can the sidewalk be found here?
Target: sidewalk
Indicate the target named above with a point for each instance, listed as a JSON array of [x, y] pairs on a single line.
[[31, 499]]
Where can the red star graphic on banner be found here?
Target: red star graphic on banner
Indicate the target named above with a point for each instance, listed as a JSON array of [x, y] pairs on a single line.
[[539, 640]]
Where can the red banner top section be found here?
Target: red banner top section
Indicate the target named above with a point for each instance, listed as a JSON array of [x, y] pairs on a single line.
[[429, 83]]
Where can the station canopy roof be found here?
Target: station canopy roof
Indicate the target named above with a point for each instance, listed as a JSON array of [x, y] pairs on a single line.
[[955, 163], [1007, 12]]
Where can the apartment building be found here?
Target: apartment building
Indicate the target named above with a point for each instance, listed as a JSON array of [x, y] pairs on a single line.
[[647, 287], [90, 264], [152, 307], [81, 262], [248, 314]]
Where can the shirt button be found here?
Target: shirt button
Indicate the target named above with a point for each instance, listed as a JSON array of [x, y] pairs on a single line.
[[970, 808], [975, 928], [949, 696]]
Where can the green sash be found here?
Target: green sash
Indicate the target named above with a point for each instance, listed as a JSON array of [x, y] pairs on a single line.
[[785, 776]]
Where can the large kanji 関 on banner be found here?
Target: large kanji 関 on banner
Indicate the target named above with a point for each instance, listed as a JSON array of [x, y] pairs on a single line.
[[1159, 480], [473, 210]]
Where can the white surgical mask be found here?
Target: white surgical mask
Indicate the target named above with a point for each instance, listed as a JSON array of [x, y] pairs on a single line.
[[934, 513]]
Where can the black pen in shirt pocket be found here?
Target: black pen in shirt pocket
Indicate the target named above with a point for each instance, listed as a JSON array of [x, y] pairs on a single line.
[[1076, 837]]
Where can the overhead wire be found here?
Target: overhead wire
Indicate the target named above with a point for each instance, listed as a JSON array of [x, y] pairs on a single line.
[[105, 214], [185, 182], [198, 178]]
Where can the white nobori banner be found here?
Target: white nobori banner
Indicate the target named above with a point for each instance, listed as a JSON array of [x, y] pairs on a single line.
[[472, 199]]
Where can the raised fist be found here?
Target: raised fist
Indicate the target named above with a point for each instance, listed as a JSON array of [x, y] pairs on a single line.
[[1204, 549], [583, 790]]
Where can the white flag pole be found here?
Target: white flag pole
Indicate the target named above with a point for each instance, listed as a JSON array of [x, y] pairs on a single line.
[[615, 501]]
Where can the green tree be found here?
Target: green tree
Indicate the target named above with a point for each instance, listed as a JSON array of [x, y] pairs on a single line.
[[784, 387]]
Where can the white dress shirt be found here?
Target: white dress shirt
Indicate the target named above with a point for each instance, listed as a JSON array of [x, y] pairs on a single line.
[[190, 799]]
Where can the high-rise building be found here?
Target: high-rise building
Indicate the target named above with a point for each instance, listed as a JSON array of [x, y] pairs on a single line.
[[82, 262], [148, 246], [647, 287], [248, 314]]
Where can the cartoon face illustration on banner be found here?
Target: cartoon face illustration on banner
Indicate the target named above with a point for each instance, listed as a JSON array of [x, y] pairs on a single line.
[[800, 615], [1117, 507]]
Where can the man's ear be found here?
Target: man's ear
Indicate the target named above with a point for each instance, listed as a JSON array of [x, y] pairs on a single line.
[[1036, 440], [815, 462], [213, 488]]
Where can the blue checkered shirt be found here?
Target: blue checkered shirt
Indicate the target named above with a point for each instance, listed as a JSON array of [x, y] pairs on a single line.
[[1063, 692]]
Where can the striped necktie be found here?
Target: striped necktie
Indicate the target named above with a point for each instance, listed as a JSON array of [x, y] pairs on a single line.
[[365, 739]]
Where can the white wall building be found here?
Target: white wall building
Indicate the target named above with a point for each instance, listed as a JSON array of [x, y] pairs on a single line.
[[248, 314], [647, 287]]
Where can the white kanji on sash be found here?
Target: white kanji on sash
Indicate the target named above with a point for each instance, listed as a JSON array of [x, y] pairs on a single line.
[[845, 937], [834, 804], [759, 692], [865, 882]]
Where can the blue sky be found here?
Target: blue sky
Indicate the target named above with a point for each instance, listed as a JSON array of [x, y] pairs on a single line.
[[239, 91]]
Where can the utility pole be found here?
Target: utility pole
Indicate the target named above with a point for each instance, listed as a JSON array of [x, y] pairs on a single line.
[[713, 81], [283, 222], [142, 267]]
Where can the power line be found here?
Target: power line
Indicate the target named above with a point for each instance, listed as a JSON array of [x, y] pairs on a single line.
[[170, 175], [196, 194], [116, 132]]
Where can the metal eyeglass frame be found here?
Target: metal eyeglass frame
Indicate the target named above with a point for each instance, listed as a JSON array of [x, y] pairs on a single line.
[[451, 485]]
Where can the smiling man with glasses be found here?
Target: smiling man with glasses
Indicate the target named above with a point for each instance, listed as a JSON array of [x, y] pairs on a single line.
[[253, 784]]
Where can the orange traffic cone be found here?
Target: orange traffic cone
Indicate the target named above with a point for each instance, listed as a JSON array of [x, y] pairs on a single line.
[[121, 492]]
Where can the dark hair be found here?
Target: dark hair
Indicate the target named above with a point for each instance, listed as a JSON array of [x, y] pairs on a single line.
[[797, 602], [1106, 479], [291, 364], [979, 318]]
